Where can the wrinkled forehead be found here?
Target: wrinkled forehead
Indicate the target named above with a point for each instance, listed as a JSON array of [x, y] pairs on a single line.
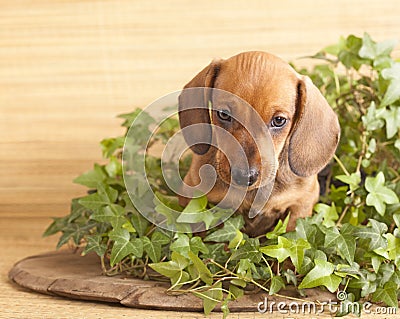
[[262, 80]]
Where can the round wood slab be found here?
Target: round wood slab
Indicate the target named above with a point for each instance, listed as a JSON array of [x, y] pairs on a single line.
[[68, 274]]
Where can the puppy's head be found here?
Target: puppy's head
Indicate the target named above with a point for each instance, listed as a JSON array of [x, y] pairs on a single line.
[[300, 122]]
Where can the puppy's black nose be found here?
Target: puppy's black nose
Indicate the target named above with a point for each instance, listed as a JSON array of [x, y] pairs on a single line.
[[244, 177]]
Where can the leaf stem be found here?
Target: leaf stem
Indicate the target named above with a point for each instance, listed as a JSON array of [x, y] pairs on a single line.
[[339, 222], [363, 150], [103, 265], [337, 83], [269, 267], [337, 159]]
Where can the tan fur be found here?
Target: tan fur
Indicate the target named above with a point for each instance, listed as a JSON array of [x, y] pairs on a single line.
[[302, 147]]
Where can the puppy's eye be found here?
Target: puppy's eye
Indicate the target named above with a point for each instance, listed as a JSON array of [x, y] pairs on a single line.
[[224, 115], [278, 121]]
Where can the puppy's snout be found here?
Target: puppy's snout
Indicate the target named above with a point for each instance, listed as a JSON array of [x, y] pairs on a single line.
[[244, 177]]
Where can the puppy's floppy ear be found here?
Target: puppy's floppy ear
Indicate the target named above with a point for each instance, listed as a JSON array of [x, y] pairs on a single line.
[[193, 108], [315, 133]]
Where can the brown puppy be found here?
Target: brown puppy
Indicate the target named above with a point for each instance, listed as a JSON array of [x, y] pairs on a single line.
[[304, 130]]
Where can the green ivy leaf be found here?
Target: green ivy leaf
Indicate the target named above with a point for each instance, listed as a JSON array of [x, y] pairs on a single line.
[[350, 59], [181, 244], [113, 214], [396, 218], [279, 251], [92, 178], [228, 232], [386, 272], [376, 262], [368, 49], [336, 48], [245, 268], [393, 91], [366, 282], [237, 240], [349, 271], [180, 260], [58, 224], [379, 195], [328, 213], [159, 238], [387, 294], [168, 268], [276, 285], [290, 277], [353, 43], [153, 247], [179, 279], [249, 251], [393, 249], [211, 297], [307, 266], [139, 223], [297, 251], [153, 250], [169, 207], [235, 222], [105, 195], [379, 53], [114, 167], [75, 232], [372, 146], [224, 306], [344, 245], [135, 246], [392, 119], [204, 273], [321, 275], [310, 232], [194, 211], [124, 246], [279, 229], [397, 144], [146, 119], [110, 145], [374, 233], [197, 245], [216, 252], [235, 291], [371, 120], [128, 226], [372, 50], [353, 180], [95, 243], [102, 215], [172, 269], [239, 282]]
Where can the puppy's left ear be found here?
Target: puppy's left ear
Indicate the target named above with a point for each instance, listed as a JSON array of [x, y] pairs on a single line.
[[315, 133]]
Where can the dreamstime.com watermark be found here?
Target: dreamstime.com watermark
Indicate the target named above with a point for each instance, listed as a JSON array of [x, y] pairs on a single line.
[[341, 305]]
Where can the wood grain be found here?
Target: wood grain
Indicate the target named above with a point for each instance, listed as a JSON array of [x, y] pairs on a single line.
[[67, 68], [68, 274]]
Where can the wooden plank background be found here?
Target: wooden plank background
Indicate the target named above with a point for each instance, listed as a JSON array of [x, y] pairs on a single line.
[[67, 68]]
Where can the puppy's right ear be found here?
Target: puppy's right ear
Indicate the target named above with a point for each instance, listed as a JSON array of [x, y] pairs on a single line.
[[193, 108]]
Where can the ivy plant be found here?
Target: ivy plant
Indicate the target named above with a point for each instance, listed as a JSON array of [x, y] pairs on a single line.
[[351, 243]]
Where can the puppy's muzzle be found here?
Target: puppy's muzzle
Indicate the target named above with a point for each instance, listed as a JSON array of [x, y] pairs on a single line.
[[244, 177]]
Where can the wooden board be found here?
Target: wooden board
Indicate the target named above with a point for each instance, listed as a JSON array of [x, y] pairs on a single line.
[[70, 275]]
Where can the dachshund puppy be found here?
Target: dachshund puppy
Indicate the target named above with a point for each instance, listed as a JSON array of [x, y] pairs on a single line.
[[304, 131]]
